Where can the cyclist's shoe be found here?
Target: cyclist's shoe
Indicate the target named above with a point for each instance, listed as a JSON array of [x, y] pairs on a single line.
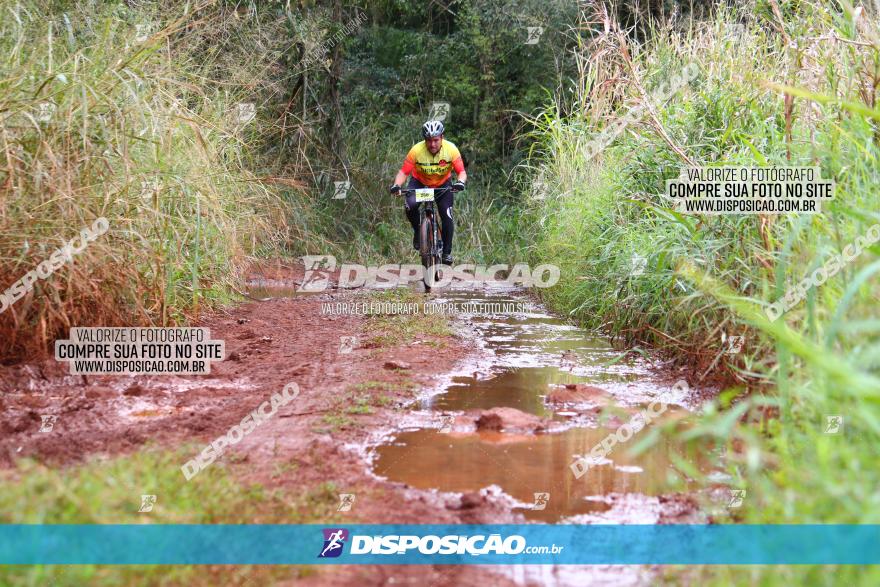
[[416, 240], [447, 260]]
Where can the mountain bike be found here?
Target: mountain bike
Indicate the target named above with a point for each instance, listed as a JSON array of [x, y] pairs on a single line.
[[430, 233]]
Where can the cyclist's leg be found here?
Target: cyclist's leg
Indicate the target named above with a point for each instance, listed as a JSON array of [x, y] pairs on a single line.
[[410, 206], [447, 224], [412, 209]]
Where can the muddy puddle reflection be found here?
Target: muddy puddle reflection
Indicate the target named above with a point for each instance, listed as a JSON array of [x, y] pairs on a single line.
[[531, 353], [523, 465]]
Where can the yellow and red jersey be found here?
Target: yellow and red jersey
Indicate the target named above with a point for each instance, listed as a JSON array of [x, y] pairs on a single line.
[[432, 170]]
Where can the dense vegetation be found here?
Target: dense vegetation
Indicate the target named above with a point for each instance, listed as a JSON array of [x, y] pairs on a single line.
[[113, 112], [789, 84], [207, 134]]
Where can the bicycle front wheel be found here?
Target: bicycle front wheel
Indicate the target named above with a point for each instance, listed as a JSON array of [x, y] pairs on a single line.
[[426, 250]]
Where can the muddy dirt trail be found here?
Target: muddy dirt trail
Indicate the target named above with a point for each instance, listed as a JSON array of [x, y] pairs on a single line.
[[480, 426]]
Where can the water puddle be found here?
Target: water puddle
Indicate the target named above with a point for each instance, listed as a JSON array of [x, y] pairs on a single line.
[[532, 353], [522, 465]]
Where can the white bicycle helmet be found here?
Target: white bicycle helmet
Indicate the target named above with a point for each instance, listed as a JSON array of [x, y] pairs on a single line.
[[432, 128]]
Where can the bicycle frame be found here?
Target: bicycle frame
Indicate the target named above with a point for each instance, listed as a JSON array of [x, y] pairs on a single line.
[[430, 231]]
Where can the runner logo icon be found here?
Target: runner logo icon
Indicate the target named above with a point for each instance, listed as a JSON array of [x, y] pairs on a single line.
[[334, 541]]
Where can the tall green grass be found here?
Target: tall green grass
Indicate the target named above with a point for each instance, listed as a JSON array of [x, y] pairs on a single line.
[[795, 85], [130, 114]]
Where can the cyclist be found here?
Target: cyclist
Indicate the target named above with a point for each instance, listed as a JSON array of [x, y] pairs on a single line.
[[431, 163]]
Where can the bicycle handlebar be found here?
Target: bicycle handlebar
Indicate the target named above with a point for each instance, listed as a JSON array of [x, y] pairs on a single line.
[[404, 191]]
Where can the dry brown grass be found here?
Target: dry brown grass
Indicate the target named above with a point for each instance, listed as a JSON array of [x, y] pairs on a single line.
[[142, 130]]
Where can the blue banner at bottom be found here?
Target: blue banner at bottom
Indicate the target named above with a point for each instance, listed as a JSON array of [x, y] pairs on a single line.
[[418, 544]]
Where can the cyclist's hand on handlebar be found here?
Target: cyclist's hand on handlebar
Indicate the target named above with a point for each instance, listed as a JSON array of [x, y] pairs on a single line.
[[394, 189], [458, 186]]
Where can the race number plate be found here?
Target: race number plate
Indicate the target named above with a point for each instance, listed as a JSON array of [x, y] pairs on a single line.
[[425, 195]]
